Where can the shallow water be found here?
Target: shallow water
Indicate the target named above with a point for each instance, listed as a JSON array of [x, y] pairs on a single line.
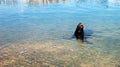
[[39, 33]]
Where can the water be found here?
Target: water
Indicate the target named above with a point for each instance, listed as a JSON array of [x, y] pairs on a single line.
[[38, 33]]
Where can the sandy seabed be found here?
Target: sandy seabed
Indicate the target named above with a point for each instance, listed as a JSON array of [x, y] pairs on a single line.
[[54, 54]]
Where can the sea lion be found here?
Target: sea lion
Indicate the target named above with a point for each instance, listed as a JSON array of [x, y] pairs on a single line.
[[79, 32]]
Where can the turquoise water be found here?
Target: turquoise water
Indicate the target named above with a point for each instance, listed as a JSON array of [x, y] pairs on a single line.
[[39, 34]]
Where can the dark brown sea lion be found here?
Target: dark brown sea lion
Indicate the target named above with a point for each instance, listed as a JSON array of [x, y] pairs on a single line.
[[79, 32]]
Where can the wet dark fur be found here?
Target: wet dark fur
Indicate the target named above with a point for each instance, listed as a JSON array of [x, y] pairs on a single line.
[[79, 33]]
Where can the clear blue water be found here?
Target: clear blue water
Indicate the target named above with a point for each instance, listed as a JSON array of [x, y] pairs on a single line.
[[38, 33]]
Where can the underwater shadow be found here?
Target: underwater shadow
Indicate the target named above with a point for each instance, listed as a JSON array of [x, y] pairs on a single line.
[[88, 33]]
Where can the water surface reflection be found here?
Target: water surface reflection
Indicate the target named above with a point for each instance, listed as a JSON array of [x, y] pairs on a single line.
[[31, 2]]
